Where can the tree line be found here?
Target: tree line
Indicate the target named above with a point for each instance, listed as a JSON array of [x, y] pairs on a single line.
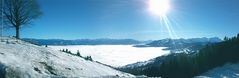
[[77, 54]]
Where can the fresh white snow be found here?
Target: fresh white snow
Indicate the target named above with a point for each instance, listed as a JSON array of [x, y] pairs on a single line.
[[20, 59], [226, 71], [115, 55]]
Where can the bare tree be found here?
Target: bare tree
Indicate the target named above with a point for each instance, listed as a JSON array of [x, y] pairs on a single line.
[[19, 13]]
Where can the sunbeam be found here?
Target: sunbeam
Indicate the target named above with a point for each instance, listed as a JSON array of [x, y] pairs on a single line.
[[161, 8]]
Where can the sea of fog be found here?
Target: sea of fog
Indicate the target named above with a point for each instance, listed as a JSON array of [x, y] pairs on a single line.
[[115, 55]]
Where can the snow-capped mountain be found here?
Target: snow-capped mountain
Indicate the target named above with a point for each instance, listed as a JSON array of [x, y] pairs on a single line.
[[165, 42], [182, 45], [19, 59]]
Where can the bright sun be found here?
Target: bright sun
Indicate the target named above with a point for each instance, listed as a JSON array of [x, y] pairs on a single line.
[[159, 7]]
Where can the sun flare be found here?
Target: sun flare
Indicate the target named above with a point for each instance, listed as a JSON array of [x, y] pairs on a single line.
[[159, 7]]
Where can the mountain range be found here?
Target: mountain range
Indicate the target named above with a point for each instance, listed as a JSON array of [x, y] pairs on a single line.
[[83, 41], [182, 45]]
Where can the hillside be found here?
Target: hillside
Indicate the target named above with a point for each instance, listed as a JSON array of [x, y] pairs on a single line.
[[188, 65], [24, 60]]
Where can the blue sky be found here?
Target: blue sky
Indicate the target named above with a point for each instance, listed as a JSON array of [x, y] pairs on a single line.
[[119, 19]]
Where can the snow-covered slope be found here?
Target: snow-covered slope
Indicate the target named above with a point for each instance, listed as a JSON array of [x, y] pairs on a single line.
[[24, 60], [226, 71]]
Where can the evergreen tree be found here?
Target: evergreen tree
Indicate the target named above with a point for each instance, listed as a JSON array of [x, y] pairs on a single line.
[[78, 53], [238, 36], [66, 50], [225, 38], [88, 58]]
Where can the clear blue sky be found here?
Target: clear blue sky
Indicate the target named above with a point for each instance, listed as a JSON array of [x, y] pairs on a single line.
[[119, 19]]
